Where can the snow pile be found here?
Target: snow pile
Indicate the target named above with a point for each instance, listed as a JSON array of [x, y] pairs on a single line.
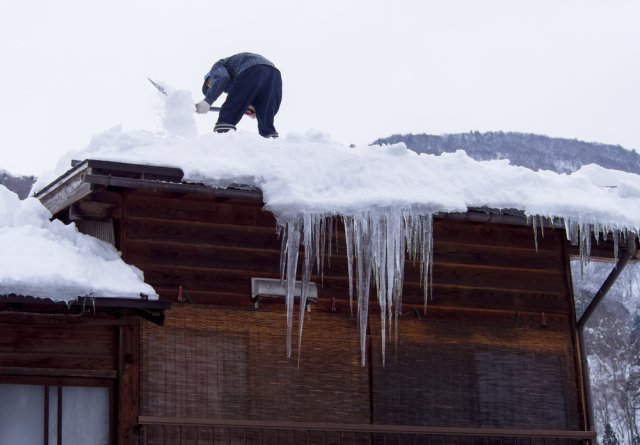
[[386, 196], [177, 114], [48, 259], [311, 173]]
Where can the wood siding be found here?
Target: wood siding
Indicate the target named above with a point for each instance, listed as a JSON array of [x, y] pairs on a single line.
[[212, 249], [51, 345], [40, 348], [495, 349]]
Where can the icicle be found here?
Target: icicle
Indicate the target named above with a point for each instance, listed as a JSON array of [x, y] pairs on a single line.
[[292, 249], [580, 233], [282, 233], [310, 228], [396, 273], [423, 250], [535, 232], [329, 237], [379, 269], [376, 243], [348, 239], [363, 278], [319, 229]]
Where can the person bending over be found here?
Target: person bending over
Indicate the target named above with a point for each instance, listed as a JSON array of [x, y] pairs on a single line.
[[254, 87]]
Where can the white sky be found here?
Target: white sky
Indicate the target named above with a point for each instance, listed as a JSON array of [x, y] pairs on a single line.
[[358, 70]]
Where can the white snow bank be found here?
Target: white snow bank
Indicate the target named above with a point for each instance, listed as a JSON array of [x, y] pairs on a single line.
[[310, 173], [48, 259]]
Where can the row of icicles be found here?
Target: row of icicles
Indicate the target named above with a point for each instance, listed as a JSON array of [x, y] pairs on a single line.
[[376, 244]]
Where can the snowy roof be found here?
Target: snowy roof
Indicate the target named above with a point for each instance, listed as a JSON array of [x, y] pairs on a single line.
[[48, 259], [311, 174], [381, 192]]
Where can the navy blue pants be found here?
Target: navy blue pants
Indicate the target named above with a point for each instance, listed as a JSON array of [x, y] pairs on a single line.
[[260, 86]]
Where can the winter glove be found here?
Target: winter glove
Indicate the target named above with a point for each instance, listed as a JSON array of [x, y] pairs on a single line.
[[202, 107]]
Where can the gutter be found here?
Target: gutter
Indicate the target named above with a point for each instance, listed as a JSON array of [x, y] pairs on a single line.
[[151, 310]]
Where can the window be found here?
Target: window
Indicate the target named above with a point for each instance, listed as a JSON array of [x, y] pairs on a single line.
[[63, 411]]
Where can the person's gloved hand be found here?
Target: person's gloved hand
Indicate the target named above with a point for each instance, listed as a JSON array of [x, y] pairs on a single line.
[[202, 107]]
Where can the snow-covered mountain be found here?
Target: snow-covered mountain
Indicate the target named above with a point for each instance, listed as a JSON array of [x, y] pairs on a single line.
[[533, 151], [20, 185]]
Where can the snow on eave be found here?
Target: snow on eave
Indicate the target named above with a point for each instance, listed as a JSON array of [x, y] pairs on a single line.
[[46, 258]]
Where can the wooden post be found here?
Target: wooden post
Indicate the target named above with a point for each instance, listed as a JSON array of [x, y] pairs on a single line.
[[128, 382]]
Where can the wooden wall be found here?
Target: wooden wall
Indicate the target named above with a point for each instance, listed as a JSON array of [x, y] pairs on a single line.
[[100, 350], [495, 349], [212, 249]]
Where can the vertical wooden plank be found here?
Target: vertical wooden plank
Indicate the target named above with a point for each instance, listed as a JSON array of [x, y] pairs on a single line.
[[59, 415], [128, 382], [46, 414], [123, 226]]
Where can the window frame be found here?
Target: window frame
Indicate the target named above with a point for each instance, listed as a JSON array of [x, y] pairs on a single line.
[[59, 382]]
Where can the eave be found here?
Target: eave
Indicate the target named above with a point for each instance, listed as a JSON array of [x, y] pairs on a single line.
[[91, 175], [152, 310]]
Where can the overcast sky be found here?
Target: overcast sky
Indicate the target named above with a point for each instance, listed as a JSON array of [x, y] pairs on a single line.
[[357, 70]]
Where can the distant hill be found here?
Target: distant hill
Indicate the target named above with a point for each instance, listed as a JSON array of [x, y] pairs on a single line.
[[21, 185], [527, 150]]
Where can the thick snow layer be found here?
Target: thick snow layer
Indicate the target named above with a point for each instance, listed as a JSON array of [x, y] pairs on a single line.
[[311, 173], [48, 259]]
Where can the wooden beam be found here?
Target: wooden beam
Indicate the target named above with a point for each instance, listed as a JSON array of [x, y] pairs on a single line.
[[57, 372], [181, 188], [368, 428], [128, 383], [65, 194]]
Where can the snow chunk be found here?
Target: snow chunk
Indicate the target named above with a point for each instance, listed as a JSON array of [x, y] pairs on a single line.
[[179, 115], [48, 259]]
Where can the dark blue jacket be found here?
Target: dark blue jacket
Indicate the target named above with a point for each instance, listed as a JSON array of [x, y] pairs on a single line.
[[225, 71]]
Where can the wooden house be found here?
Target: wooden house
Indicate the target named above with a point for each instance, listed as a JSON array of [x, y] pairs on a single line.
[[495, 359]]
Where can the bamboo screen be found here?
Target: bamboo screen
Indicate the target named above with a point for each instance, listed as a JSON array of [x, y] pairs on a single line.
[[474, 371], [450, 369], [211, 362]]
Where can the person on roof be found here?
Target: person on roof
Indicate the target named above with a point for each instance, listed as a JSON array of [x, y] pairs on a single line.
[[254, 87]]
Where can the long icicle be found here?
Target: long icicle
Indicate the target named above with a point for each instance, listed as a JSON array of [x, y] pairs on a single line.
[[311, 226], [292, 247], [376, 243]]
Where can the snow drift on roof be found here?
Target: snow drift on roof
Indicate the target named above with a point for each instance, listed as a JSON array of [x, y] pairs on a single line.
[[48, 259]]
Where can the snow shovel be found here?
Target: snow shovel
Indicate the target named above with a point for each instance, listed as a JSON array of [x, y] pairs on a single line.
[[164, 92]]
